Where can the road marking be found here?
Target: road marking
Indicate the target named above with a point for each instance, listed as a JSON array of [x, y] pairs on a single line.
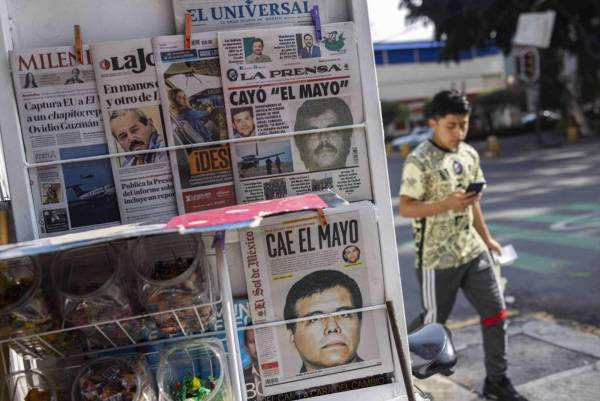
[[539, 264], [548, 218], [571, 240], [582, 206], [578, 223]]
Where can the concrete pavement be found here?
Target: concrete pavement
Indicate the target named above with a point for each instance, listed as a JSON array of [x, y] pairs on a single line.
[[548, 361]]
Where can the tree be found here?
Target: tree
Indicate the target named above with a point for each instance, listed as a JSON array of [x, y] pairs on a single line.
[[467, 24]]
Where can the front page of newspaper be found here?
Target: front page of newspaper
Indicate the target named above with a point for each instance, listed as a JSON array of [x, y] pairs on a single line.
[[219, 15], [192, 103], [283, 80], [130, 103], [61, 119], [296, 267]]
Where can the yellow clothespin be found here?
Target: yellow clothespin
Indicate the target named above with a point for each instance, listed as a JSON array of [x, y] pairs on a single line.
[[188, 31], [78, 44]]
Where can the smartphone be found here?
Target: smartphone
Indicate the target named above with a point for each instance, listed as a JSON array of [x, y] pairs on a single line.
[[475, 186]]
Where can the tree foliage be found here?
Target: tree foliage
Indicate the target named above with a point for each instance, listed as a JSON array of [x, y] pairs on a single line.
[[467, 24]]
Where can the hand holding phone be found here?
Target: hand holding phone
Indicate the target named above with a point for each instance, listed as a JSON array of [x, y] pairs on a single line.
[[475, 186]]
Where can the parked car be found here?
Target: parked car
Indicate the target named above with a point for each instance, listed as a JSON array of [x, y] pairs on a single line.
[[414, 137], [548, 120]]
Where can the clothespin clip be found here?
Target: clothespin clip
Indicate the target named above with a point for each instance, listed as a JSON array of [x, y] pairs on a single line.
[[219, 240], [188, 31], [316, 18], [322, 217], [78, 44]]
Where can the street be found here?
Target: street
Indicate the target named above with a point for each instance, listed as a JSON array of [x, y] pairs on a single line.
[[546, 203]]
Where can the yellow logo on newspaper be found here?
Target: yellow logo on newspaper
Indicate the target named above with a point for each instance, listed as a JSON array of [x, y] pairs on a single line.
[[209, 160]]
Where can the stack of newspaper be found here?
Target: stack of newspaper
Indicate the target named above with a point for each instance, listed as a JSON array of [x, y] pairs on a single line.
[[252, 92]]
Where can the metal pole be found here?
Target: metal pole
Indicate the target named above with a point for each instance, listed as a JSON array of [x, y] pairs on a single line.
[[406, 372]]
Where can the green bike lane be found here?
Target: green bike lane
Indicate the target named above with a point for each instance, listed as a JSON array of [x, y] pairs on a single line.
[[542, 241]]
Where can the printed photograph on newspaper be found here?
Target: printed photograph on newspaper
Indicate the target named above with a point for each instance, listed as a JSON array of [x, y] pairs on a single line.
[[61, 119], [280, 81], [194, 110], [298, 268], [219, 15], [278, 167], [133, 121]]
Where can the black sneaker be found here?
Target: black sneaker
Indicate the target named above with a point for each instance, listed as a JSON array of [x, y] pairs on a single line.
[[501, 390]]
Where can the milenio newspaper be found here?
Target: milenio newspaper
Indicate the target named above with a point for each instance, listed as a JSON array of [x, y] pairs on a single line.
[[219, 15], [61, 119], [194, 112], [296, 267], [130, 103], [283, 80]]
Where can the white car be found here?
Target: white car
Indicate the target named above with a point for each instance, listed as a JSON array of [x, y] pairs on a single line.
[[414, 137]]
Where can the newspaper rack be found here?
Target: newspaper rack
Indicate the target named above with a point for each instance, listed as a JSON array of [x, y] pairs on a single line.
[[19, 30], [40, 347]]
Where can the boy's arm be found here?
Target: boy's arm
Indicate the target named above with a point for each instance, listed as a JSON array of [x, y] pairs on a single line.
[[413, 208], [482, 230]]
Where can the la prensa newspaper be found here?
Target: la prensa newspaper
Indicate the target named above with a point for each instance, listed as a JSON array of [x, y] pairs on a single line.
[[284, 80]]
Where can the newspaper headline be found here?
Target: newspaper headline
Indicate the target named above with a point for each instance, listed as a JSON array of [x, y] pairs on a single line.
[[214, 15]]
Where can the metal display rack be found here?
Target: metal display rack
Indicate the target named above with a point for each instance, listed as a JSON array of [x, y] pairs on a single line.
[[38, 24]]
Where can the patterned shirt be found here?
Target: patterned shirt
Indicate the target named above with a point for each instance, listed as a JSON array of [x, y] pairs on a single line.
[[447, 239]]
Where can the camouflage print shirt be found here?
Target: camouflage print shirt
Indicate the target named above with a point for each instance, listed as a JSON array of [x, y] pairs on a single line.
[[448, 239]]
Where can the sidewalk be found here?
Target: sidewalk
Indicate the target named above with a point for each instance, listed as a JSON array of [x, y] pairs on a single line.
[[548, 361]]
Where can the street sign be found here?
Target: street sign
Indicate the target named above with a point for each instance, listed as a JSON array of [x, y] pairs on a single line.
[[535, 29], [528, 64]]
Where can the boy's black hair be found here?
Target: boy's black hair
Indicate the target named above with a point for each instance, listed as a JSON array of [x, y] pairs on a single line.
[[448, 102]]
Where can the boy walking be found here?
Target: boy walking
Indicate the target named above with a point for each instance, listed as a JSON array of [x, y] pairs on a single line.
[[451, 238]]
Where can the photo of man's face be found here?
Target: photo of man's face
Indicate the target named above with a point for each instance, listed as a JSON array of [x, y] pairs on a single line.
[[308, 40], [329, 341], [243, 123], [257, 48], [130, 132], [324, 150]]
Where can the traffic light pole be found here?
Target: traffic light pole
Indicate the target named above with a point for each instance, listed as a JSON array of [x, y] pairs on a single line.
[[533, 97], [528, 68]]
